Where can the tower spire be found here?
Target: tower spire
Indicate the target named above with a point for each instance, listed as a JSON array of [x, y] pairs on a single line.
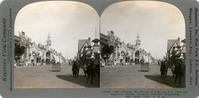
[[48, 40], [138, 42], [138, 36]]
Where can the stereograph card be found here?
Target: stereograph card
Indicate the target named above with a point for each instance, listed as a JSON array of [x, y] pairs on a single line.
[[99, 49]]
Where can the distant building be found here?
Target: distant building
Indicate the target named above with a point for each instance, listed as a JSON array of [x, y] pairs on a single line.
[[115, 51], [29, 53], [136, 51]]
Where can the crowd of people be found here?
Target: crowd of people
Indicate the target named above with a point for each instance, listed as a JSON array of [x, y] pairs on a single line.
[[178, 70], [90, 70]]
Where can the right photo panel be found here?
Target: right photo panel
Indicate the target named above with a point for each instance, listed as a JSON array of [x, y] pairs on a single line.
[[143, 45]]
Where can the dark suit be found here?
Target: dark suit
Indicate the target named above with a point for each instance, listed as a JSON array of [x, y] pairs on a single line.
[[74, 69], [163, 69], [178, 73], [90, 72]]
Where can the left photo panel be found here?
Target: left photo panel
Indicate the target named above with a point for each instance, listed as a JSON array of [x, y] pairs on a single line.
[[56, 46]]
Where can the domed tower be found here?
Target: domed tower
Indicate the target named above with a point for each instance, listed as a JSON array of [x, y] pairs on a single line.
[[49, 41], [48, 53], [137, 48]]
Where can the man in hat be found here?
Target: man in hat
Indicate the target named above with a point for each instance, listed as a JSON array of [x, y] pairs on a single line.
[[178, 73]]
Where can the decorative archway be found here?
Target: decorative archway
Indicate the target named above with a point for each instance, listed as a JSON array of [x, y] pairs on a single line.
[[106, 51]]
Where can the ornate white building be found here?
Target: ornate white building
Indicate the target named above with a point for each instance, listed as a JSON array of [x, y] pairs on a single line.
[[117, 52], [29, 53]]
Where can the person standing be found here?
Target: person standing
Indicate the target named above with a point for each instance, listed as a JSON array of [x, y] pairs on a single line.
[[89, 71], [98, 69], [166, 67], [74, 69], [162, 69], [178, 73], [84, 69], [78, 67], [173, 69]]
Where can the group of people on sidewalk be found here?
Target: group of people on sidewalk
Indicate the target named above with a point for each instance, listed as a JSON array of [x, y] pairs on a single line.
[[90, 70], [178, 70]]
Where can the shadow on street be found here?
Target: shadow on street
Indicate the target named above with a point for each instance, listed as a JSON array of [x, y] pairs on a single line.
[[168, 80], [143, 70], [54, 70], [80, 80]]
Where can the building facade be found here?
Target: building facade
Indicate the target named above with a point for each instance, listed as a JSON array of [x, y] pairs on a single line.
[[176, 53], [29, 53], [114, 51], [88, 52], [84, 50]]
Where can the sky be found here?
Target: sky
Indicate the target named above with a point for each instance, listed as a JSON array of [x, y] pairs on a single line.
[[156, 22], [68, 21], [65, 21]]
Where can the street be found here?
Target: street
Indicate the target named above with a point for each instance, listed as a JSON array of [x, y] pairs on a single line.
[[130, 76], [44, 77]]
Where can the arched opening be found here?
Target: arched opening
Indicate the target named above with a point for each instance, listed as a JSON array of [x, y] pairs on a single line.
[[19, 51], [137, 55], [48, 57], [106, 51]]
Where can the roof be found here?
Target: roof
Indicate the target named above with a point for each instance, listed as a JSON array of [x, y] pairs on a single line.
[[184, 41], [95, 40], [81, 43], [102, 36], [170, 43], [104, 39], [16, 39]]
